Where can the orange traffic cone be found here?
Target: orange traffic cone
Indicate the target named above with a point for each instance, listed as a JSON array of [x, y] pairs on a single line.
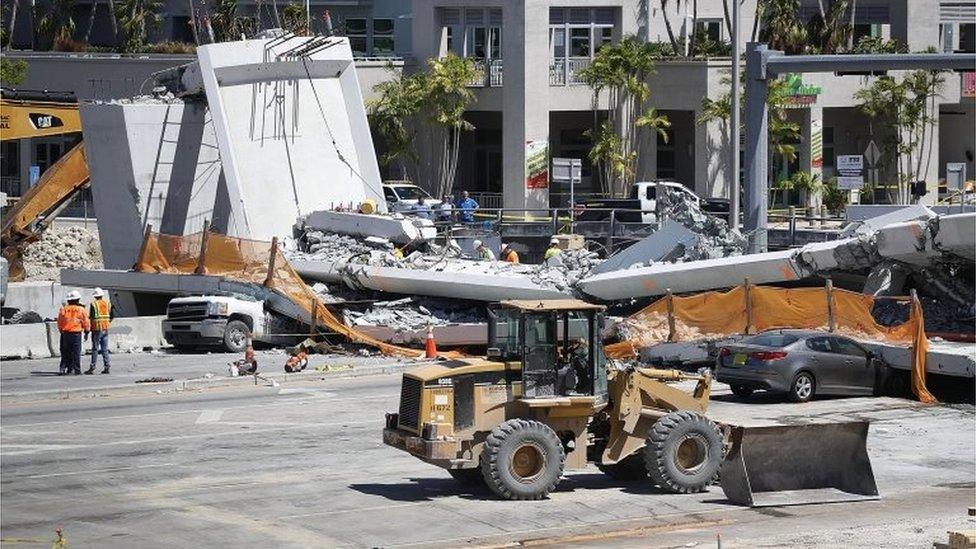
[[431, 350]]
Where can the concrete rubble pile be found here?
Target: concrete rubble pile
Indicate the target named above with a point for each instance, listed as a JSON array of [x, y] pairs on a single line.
[[414, 314], [70, 247], [715, 238]]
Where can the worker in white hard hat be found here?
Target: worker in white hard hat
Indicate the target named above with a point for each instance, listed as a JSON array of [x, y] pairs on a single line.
[[72, 323], [101, 313], [553, 249], [483, 252]]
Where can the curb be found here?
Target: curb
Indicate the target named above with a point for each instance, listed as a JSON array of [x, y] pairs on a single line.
[[199, 384]]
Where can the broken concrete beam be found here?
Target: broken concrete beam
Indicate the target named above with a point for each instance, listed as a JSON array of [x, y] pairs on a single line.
[[322, 271], [867, 225], [451, 284], [396, 228], [956, 234], [694, 276], [655, 247]]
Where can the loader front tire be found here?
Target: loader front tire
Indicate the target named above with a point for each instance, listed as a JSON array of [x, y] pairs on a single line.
[[683, 452], [522, 459]]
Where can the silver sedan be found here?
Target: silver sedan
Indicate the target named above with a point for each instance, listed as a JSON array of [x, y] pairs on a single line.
[[799, 364]]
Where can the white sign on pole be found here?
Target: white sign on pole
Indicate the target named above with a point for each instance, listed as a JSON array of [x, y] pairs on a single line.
[[848, 182], [569, 171], [850, 163]]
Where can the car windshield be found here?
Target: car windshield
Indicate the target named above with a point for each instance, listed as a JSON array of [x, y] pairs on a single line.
[[772, 339], [411, 193]]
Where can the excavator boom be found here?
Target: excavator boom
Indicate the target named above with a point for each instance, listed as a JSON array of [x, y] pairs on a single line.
[[28, 114]]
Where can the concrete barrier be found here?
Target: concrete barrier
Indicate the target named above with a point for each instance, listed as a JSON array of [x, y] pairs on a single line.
[[24, 341], [43, 297], [136, 332]]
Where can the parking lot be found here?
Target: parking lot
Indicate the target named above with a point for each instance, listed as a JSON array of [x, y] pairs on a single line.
[[303, 465]]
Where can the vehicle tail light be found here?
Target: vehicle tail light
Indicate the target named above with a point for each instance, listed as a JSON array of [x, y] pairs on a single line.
[[768, 355], [724, 352]]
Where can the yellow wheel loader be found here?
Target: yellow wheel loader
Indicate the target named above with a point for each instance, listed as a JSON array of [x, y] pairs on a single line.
[[544, 401]]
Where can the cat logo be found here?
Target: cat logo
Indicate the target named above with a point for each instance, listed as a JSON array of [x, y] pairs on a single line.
[[43, 121]]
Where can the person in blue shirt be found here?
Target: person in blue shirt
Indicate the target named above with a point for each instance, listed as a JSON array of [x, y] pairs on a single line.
[[466, 208], [421, 209]]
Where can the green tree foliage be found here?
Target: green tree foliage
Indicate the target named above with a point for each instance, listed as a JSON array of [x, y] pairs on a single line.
[[294, 18], [136, 18], [827, 32], [57, 25], [227, 24], [426, 105], [905, 113], [13, 72], [620, 71]]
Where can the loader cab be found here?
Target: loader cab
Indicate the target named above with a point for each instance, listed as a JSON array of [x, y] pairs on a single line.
[[557, 343]]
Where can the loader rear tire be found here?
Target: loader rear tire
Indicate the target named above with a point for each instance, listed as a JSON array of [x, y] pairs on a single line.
[[468, 477], [683, 452], [522, 459], [631, 467]]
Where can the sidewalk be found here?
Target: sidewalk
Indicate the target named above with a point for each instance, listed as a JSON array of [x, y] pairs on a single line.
[[37, 379]]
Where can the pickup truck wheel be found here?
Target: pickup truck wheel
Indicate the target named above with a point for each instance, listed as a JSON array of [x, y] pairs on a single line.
[[683, 452], [631, 467], [468, 477], [235, 336], [522, 459]]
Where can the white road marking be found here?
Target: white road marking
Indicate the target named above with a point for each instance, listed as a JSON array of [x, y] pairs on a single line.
[[210, 416], [97, 471]]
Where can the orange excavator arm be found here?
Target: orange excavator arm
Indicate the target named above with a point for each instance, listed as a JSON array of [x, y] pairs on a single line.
[[32, 117]]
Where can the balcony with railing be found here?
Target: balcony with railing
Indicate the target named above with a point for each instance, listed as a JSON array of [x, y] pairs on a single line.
[[565, 72], [488, 73]]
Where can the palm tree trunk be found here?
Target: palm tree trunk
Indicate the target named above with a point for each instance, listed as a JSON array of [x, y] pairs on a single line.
[[760, 11], [114, 21], [823, 14], [850, 37], [667, 25], [13, 21], [728, 19], [694, 28], [91, 22]]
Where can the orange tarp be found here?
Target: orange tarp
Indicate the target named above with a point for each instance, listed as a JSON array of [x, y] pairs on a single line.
[[713, 315]]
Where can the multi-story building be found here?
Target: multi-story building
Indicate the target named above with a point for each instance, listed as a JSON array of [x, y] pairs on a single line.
[[528, 94]]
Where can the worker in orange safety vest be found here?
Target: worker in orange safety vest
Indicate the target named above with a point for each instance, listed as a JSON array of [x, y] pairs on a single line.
[[508, 254], [72, 323], [101, 313]]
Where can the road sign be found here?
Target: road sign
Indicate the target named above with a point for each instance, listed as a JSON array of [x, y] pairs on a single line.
[[850, 163], [872, 154], [848, 182], [567, 170], [955, 175]]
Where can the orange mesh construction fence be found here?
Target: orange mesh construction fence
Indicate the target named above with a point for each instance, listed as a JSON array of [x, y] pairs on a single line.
[[246, 261], [751, 309]]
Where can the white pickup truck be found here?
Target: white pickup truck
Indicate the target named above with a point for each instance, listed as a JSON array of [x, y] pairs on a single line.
[[225, 321], [641, 204]]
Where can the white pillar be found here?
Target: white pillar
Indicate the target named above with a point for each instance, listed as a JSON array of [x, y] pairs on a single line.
[[525, 99]]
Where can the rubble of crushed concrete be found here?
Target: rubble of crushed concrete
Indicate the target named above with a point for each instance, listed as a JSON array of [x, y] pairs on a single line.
[[715, 237], [414, 314], [70, 247]]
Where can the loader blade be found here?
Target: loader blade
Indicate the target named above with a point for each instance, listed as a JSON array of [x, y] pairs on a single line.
[[799, 464]]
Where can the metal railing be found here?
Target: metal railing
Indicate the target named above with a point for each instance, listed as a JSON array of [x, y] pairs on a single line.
[[487, 73], [565, 71]]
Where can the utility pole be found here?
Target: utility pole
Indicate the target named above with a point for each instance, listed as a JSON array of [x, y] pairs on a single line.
[[734, 127], [757, 147]]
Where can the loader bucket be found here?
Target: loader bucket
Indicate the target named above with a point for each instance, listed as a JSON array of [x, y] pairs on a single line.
[[798, 464]]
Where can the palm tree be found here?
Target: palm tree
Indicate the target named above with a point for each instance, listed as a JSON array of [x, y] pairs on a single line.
[[57, 25], [13, 21], [781, 27], [136, 18], [667, 25], [113, 20]]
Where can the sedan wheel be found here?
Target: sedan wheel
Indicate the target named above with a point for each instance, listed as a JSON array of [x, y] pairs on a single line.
[[803, 387]]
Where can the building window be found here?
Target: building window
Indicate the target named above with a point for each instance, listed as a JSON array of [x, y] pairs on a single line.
[[356, 32], [870, 30], [828, 148], [557, 37], [967, 38], [579, 42], [711, 29], [603, 37], [383, 37]]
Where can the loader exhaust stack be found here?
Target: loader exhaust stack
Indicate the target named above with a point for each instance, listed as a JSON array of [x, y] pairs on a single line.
[[799, 464]]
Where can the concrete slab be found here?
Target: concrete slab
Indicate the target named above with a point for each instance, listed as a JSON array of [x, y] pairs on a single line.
[[693, 276], [654, 247], [25, 341], [43, 297], [398, 228], [451, 284]]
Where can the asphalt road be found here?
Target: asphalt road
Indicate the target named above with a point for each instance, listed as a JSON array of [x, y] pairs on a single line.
[[303, 465]]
